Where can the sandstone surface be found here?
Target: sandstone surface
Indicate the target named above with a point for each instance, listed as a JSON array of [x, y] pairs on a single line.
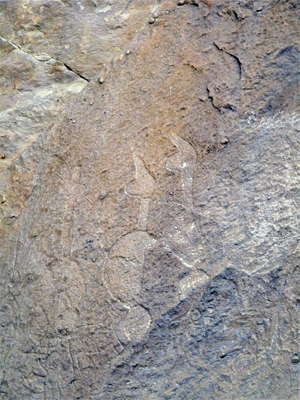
[[149, 199]]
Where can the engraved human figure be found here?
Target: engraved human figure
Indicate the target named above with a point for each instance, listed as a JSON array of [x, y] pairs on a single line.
[[181, 237], [123, 270], [142, 187]]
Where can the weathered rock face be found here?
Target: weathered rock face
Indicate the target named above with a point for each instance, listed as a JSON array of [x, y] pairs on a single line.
[[149, 191]]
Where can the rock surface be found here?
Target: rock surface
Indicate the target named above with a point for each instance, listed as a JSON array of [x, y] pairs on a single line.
[[149, 200]]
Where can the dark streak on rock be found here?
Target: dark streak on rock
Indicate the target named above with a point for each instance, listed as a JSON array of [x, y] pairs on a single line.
[[76, 72], [238, 61], [211, 99]]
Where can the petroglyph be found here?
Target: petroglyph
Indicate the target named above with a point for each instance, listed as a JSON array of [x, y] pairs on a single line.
[[122, 278], [142, 187], [182, 237], [72, 194], [123, 270], [182, 240], [68, 276], [183, 162], [87, 292], [132, 246], [135, 326], [192, 281]]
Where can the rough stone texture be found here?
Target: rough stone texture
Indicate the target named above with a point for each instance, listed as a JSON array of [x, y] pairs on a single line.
[[149, 179]]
